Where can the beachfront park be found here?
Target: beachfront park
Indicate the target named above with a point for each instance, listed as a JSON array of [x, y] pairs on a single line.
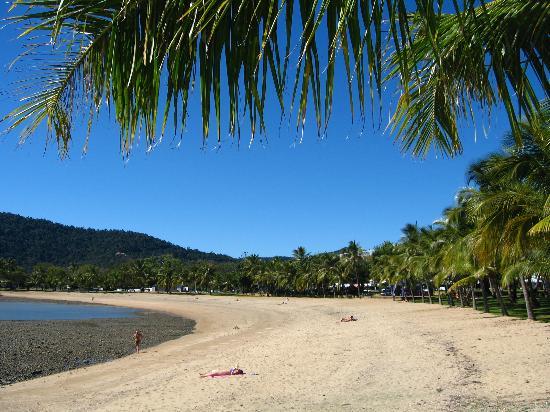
[[275, 205]]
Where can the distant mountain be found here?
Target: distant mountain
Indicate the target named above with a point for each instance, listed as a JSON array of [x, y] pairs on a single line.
[[30, 241]]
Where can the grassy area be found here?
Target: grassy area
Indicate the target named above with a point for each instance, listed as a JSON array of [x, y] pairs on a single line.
[[516, 310]]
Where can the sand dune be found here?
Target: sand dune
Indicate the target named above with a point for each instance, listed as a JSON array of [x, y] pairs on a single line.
[[398, 356]]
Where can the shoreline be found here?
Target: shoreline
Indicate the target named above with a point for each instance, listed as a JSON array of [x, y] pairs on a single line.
[[397, 356], [37, 348]]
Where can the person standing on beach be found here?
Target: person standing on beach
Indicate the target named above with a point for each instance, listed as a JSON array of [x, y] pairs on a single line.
[[138, 336]]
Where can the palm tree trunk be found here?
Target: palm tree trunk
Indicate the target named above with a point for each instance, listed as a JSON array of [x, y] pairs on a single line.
[[496, 289], [528, 305], [546, 286], [474, 307], [422, 292], [439, 296], [429, 294], [461, 297], [512, 292], [450, 297], [532, 294], [412, 292], [485, 295]]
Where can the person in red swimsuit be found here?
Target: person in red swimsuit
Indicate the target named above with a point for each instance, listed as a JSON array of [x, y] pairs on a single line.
[[232, 371]]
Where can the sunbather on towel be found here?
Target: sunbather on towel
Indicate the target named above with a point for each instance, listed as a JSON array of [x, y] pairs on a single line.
[[230, 372]]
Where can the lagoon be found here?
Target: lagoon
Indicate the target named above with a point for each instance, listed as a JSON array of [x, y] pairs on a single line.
[[15, 309]]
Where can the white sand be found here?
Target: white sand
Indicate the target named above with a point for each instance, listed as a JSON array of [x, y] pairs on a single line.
[[398, 356]]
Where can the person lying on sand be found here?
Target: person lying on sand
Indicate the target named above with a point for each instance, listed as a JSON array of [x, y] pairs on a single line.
[[349, 318], [138, 336], [230, 372]]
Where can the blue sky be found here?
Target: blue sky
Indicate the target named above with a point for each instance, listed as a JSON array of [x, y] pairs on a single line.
[[266, 199]]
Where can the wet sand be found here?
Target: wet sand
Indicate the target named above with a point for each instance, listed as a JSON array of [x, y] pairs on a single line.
[[30, 349], [398, 356]]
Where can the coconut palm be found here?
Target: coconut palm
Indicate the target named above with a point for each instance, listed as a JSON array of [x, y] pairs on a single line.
[[457, 60], [326, 271], [385, 264], [304, 278], [252, 268], [353, 259], [536, 263], [168, 272], [455, 260], [116, 53], [207, 273], [511, 205], [39, 275]]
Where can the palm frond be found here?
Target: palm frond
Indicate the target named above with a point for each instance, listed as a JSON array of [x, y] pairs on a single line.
[[466, 281], [481, 56], [143, 57]]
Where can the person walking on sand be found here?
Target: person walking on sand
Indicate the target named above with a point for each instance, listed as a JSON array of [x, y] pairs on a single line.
[[138, 336]]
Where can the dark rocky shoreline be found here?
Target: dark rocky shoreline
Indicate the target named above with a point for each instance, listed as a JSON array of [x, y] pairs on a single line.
[[30, 349]]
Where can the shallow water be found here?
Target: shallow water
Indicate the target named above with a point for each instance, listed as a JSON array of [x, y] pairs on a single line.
[[30, 310]]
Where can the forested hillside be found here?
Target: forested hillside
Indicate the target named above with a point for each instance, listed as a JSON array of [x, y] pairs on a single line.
[[31, 241]]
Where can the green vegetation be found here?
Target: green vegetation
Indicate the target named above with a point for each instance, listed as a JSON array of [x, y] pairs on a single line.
[[496, 237], [303, 275], [444, 58], [515, 308], [32, 241]]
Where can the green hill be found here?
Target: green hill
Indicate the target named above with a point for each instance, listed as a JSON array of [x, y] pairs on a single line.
[[30, 241]]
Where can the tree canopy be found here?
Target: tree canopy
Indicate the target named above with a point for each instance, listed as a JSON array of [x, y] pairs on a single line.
[[497, 232], [32, 241]]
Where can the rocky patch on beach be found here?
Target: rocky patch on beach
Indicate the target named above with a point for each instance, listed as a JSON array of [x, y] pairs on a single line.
[[29, 349]]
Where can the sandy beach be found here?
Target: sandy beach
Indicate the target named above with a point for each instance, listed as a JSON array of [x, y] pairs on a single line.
[[298, 356]]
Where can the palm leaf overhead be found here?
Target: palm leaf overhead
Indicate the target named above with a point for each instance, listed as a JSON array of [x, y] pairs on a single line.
[[143, 58], [482, 56]]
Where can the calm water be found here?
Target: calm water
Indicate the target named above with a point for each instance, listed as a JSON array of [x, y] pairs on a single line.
[[36, 310]]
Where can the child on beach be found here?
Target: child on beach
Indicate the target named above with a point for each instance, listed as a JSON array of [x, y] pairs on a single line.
[[138, 336]]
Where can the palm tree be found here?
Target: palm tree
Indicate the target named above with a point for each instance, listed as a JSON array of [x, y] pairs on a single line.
[[300, 254], [511, 205], [286, 279], [304, 277], [326, 270], [354, 261], [409, 251], [458, 60], [456, 260], [385, 265], [39, 275], [252, 268], [117, 52], [205, 276], [194, 275], [168, 272]]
